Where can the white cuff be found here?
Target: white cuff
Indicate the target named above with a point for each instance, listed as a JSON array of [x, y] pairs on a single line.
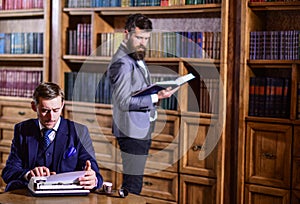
[[154, 98], [26, 176]]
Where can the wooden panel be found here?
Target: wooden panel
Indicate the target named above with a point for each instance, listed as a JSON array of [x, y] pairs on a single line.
[[97, 119], [4, 153], [104, 147], [16, 112], [263, 195], [166, 127], [161, 185], [163, 156], [6, 136], [296, 147], [268, 150], [157, 201], [295, 197], [196, 189], [296, 173], [108, 174], [193, 138]]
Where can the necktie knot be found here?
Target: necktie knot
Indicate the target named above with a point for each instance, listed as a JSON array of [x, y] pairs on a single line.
[[46, 139]]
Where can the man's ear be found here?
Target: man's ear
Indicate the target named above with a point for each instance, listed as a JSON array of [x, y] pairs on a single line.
[[127, 34], [33, 106]]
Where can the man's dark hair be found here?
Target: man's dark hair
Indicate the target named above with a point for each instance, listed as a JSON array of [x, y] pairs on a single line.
[[138, 20], [47, 90]]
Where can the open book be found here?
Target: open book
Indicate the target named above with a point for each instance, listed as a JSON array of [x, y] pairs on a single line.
[[158, 86]]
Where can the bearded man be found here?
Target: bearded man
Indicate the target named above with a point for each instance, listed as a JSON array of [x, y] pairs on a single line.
[[133, 116]]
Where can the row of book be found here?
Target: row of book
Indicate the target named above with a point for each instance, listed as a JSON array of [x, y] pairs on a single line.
[[202, 45], [95, 87], [272, 0], [133, 3], [209, 95], [19, 83], [79, 40], [21, 43], [87, 87], [21, 4], [195, 2], [274, 45], [269, 97]]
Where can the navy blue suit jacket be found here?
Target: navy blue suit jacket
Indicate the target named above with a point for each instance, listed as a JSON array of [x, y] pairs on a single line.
[[72, 148]]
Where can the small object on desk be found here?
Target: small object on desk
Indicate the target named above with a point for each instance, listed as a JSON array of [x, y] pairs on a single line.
[[123, 192], [58, 184], [107, 187]]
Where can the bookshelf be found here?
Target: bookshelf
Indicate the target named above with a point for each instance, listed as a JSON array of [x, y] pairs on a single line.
[[24, 62], [268, 164], [180, 132]]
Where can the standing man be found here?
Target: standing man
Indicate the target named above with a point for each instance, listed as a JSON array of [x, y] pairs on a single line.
[[133, 117], [67, 146]]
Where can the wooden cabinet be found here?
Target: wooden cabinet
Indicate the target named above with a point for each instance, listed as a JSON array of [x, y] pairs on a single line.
[[268, 113]]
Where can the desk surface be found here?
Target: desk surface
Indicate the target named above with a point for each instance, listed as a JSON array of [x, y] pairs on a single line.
[[25, 197]]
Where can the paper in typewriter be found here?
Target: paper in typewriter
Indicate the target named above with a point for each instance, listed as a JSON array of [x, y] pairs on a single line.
[[68, 177]]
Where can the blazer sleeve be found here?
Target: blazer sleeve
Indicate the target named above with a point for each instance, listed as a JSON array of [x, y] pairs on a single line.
[[87, 152], [14, 168], [125, 80]]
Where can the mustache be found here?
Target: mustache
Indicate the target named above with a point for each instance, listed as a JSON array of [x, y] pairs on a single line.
[[140, 46]]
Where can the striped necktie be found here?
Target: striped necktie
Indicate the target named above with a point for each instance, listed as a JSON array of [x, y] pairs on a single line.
[[46, 139]]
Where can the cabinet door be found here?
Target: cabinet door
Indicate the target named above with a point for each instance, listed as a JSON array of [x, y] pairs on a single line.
[[296, 151], [296, 173], [195, 189], [160, 185], [268, 154], [98, 118], [195, 140], [295, 197], [266, 195]]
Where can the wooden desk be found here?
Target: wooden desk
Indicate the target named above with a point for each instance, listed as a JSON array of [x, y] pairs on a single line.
[[24, 197]]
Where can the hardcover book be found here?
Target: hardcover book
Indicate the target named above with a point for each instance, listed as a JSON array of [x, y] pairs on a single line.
[[158, 86]]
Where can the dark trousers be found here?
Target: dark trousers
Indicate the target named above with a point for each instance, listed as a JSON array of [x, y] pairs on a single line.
[[134, 153]]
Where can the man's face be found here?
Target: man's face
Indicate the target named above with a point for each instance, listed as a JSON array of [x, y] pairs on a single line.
[[49, 111], [137, 43]]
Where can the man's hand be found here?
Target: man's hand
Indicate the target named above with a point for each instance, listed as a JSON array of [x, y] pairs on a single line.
[[89, 181], [39, 171], [166, 93]]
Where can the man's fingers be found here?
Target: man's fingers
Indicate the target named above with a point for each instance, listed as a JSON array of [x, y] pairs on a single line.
[[88, 165]]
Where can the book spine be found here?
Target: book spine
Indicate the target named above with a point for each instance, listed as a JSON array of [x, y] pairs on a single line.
[[251, 96]]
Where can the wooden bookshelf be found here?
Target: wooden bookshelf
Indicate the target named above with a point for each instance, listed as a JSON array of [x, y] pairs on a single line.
[[267, 163], [174, 127], [15, 108]]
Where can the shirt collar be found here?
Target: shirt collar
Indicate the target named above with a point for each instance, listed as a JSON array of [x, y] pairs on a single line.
[[55, 126]]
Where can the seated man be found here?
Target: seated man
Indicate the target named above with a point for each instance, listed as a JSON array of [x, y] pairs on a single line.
[[66, 147]]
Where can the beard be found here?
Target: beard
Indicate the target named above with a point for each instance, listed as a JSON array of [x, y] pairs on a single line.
[[138, 52], [138, 55]]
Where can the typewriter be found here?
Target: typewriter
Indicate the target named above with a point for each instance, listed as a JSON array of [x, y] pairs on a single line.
[[58, 184]]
